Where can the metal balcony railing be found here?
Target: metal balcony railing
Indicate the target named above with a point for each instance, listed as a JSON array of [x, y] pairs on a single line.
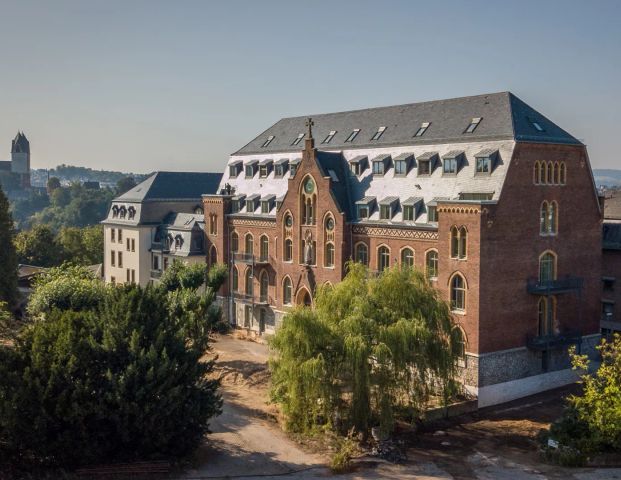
[[553, 340], [156, 273], [550, 287], [250, 258], [250, 298]]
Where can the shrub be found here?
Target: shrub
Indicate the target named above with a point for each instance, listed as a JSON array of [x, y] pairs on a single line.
[[115, 382]]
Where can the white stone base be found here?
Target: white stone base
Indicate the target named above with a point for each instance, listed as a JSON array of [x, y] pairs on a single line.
[[507, 391]]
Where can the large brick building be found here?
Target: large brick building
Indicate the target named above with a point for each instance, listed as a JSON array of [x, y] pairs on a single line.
[[495, 202]]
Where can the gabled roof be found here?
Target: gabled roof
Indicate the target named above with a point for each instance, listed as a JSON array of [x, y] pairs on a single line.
[[20, 144], [173, 186], [504, 117]]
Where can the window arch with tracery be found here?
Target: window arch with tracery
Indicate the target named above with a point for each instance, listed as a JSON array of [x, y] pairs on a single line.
[[383, 258], [264, 282], [361, 253], [547, 267], [458, 293], [459, 242], [287, 291], [407, 257], [431, 264], [308, 201]]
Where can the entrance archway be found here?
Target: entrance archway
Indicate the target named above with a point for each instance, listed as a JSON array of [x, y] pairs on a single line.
[[303, 297]]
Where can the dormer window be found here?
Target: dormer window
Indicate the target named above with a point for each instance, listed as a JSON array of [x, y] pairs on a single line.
[[297, 139], [426, 163], [251, 203], [422, 129], [380, 164], [267, 203], [131, 211], [474, 123], [378, 134], [485, 161], [265, 168], [432, 213], [402, 164], [293, 167], [280, 167], [451, 162], [235, 169], [411, 207], [387, 207], [115, 212], [238, 203], [329, 137], [178, 242], [267, 141], [352, 135], [122, 212], [251, 169], [358, 164], [364, 207]]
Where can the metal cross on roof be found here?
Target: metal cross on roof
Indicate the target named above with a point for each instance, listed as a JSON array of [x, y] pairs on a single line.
[[309, 124]]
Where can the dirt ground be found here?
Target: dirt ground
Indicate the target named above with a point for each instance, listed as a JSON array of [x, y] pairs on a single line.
[[495, 443]]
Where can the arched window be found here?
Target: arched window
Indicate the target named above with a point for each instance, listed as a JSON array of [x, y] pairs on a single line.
[[454, 242], [288, 220], [248, 281], [542, 173], [547, 267], [361, 253], [264, 248], [115, 211], [235, 279], [123, 212], [329, 255], [463, 242], [169, 241], [308, 201], [178, 242], [213, 255], [264, 282], [459, 239], [543, 218], [383, 258], [458, 293], [552, 217], [563, 173], [288, 255], [249, 247], [309, 218], [537, 173], [131, 212], [557, 173], [550, 176], [431, 264], [407, 257], [234, 242], [287, 291]]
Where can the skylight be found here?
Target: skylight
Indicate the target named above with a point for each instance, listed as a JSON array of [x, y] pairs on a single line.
[[379, 133], [268, 141], [329, 137], [537, 126], [423, 128], [352, 135], [297, 139], [474, 123]]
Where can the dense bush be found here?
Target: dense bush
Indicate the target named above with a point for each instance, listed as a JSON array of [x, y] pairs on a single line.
[[116, 380], [372, 348], [591, 422]]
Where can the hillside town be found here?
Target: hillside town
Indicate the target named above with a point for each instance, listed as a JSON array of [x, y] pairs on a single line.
[[228, 254]]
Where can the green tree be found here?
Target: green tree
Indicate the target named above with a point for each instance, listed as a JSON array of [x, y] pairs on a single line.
[[83, 246], [125, 184], [122, 381], [53, 183], [60, 197], [67, 287], [38, 247], [373, 348], [8, 258]]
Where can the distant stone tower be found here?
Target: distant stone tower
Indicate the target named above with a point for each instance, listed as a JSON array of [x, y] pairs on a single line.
[[20, 159]]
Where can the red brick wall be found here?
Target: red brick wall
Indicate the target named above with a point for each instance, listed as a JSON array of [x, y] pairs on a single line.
[[511, 245], [611, 267]]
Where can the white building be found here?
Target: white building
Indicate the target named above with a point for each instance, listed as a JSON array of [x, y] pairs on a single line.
[[158, 220]]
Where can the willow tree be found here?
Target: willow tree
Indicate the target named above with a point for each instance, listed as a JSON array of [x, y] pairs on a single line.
[[371, 350]]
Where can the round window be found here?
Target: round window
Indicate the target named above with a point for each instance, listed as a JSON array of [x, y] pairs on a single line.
[[309, 185], [288, 220], [330, 224]]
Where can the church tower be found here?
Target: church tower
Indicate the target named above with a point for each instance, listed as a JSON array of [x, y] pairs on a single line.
[[20, 159]]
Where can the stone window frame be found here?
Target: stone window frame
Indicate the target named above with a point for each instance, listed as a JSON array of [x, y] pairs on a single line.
[[458, 242], [437, 263], [462, 310], [286, 301], [554, 256], [366, 246], [386, 253], [402, 253]]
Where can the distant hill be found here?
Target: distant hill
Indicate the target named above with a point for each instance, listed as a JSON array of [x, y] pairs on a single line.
[[70, 173], [607, 177]]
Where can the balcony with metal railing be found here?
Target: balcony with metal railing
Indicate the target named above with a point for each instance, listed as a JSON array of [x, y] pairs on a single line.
[[553, 340], [156, 274], [250, 258], [248, 298], [565, 284]]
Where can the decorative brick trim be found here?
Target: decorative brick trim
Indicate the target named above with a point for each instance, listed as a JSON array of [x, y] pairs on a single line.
[[451, 209], [394, 232], [252, 222]]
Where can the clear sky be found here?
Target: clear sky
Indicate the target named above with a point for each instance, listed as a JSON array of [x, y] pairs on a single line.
[[179, 85]]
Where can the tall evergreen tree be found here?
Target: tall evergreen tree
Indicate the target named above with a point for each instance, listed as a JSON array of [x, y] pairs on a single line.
[[8, 259]]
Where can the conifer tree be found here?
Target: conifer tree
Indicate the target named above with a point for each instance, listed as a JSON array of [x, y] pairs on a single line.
[[8, 259]]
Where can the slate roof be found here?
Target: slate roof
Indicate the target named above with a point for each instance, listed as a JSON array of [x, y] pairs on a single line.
[[20, 144], [504, 117], [173, 186], [612, 207]]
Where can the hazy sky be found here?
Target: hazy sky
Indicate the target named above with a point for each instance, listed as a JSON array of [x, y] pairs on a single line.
[[179, 85]]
